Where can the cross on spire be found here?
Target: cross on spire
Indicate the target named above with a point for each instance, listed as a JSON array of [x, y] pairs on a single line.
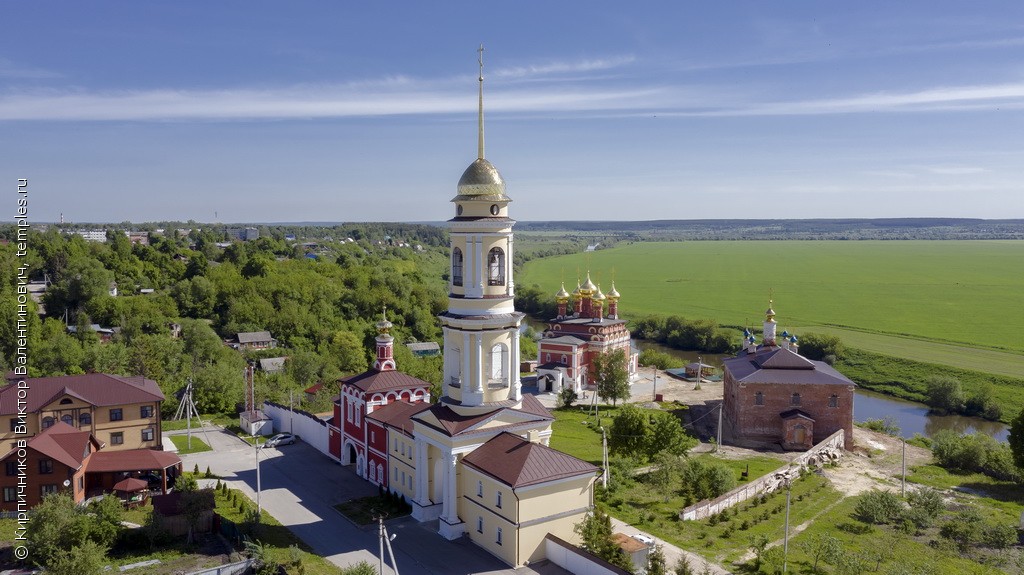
[[480, 120]]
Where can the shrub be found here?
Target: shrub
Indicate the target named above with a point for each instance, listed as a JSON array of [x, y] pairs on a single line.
[[999, 535], [928, 501], [878, 507]]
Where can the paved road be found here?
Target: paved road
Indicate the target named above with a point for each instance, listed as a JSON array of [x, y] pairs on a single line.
[[299, 488]]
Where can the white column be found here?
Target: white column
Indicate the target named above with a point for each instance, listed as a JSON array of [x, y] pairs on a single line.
[[479, 372], [481, 264], [517, 386], [510, 289], [464, 376], [422, 473], [451, 502]]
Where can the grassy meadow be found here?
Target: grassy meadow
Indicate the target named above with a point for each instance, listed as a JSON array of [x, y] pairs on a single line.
[[966, 293]]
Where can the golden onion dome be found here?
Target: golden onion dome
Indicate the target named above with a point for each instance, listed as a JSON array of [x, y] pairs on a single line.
[[588, 286], [481, 178], [614, 294], [562, 294], [770, 313], [599, 296]]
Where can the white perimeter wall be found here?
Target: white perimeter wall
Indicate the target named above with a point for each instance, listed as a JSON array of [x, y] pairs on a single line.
[[307, 426]]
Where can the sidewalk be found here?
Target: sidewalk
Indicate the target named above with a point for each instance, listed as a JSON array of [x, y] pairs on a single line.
[[672, 553]]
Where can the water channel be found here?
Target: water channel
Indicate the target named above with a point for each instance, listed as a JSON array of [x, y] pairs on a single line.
[[909, 416]]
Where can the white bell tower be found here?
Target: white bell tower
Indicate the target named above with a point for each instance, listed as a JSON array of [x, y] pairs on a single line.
[[481, 326]]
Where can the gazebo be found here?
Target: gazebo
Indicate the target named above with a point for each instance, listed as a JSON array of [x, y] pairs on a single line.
[[133, 490], [704, 369]]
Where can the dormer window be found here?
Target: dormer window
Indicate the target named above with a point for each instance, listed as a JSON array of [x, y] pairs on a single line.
[[66, 401], [496, 267]]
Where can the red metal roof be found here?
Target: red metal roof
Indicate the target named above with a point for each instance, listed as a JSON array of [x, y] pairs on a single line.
[[398, 414], [776, 365], [99, 389], [63, 444], [518, 463], [131, 460], [373, 380]]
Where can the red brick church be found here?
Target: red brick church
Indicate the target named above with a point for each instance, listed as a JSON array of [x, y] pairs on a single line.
[[773, 395], [577, 335]]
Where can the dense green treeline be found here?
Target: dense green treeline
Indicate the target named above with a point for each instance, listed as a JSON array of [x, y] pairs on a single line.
[[320, 302]]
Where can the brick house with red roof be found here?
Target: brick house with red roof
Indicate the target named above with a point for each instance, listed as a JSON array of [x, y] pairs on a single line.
[[122, 412]]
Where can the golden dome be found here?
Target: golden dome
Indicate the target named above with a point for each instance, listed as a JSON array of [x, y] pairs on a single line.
[[588, 286], [770, 313], [481, 178], [614, 294], [599, 296], [562, 295]]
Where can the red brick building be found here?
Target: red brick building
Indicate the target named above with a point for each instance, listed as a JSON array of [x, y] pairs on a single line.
[[773, 395], [360, 395], [573, 338]]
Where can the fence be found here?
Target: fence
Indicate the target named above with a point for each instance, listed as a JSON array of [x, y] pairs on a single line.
[[828, 450], [575, 560], [229, 569], [307, 426]]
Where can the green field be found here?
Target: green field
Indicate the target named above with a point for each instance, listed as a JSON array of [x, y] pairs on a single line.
[[965, 293]]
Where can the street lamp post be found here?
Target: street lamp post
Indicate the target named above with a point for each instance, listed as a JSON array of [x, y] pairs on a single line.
[[256, 443]]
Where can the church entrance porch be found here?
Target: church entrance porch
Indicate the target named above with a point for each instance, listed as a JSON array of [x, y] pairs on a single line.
[[797, 430]]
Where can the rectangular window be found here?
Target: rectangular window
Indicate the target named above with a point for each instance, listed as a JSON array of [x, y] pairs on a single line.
[[395, 444], [479, 488], [147, 434], [117, 438], [479, 524], [10, 493], [373, 436], [498, 541], [833, 401], [45, 466], [497, 500], [48, 489], [116, 414], [12, 467], [796, 399], [81, 482], [146, 411], [759, 398]]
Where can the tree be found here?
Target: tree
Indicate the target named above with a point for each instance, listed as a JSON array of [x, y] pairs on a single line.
[[57, 525], [1016, 439], [667, 434], [595, 530], [107, 514], [823, 548], [878, 507], [612, 376], [630, 432], [818, 346], [683, 567], [944, 394], [758, 544], [193, 504], [85, 559], [656, 563]]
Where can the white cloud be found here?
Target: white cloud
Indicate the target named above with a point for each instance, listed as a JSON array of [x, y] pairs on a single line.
[[549, 68]]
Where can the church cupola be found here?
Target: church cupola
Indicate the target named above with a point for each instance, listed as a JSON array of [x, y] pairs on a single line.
[[598, 309], [562, 299], [577, 299], [385, 345], [586, 294], [769, 325], [613, 303]]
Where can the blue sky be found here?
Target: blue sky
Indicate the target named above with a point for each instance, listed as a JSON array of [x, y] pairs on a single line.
[[358, 111]]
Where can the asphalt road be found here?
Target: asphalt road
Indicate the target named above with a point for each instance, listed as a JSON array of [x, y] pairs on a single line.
[[299, 487]]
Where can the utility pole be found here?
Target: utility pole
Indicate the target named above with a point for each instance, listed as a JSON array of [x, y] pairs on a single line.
[[785, 544], [655, 398], [385, 539], [291, 414], [604, 458], [903, 483], [721, 408], [256, 443]]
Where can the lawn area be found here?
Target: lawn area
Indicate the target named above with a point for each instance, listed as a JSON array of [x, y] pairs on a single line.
[[222, 419], [959, 292], [895, 549], [578, 433], [999, 499], [181, 442], [722, 541]]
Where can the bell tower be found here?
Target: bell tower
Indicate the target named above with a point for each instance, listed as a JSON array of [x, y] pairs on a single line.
[[481, 326]]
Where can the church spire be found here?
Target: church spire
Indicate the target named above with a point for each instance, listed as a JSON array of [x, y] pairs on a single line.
[[480, 119]]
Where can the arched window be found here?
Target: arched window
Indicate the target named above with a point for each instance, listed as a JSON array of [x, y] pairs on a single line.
[[496, 267], [833, 401], [759, 398], [499, 357], [456, 266], [84, 419], [380, 473], [373, 473], [68, 419], [48, 422], [796, 399], [66, 401]]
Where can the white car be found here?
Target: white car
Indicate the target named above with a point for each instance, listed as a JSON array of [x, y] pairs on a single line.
[[280, 439], [645, 539]]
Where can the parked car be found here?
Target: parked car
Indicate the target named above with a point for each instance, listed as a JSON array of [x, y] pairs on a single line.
[[644, 539], [280, 439]]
